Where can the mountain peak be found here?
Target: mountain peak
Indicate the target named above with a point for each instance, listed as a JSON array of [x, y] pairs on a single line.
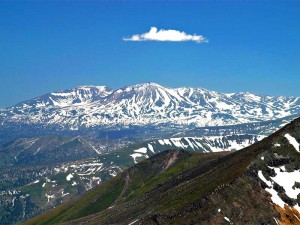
[[88, 87], [148, 85]]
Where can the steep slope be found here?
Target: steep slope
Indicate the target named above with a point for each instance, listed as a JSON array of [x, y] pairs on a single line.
[[256, 185], [29, 189], [146, 104], [132, 179]]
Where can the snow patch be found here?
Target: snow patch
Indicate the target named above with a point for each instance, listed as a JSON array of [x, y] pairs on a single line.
[[276, 221], [133, 222], [287, 181], [112, 173], [293, 141], [226, 218], [262, 177], [37, 151], [64, 194], [275, 197], [136, 155], [150, 147], [69, 177], [161, 142], [141, 150], [13, 201], [49, 197]]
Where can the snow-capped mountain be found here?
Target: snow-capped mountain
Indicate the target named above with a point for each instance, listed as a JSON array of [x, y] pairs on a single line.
[[147, 104]]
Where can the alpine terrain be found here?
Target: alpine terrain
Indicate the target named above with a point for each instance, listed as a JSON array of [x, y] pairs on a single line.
[[86, 139], [60, 145], [256, 185], [39, 174], [146, 104]]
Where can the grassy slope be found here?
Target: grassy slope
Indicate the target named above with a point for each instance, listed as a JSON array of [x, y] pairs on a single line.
[[189, 191], [181, 192], [131, 183]]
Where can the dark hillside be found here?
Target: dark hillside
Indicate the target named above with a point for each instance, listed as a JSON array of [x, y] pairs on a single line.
[[177, 187]]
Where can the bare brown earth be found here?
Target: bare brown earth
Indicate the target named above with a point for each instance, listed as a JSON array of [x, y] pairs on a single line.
[[288, 215]]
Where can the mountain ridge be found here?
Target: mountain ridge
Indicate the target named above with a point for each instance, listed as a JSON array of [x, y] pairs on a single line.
[[41, 173], [243, 187], [146, 104]]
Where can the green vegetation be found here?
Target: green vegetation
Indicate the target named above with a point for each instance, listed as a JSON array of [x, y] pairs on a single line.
[[180, 187], [131, 183]]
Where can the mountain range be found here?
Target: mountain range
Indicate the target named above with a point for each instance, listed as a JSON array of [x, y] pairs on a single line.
[[256, 185], [65, 143], [144, 105]]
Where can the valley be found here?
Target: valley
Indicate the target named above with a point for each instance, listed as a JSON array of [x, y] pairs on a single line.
[[214, 188], [45, 165]]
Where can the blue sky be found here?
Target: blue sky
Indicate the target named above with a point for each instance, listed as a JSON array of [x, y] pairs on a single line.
[[45, 46]]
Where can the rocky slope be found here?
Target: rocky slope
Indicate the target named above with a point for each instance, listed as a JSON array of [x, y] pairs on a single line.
[[256, 185], [146, 104]]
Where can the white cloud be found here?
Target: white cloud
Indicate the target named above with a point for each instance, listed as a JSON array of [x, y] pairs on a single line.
[[166, 35]]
